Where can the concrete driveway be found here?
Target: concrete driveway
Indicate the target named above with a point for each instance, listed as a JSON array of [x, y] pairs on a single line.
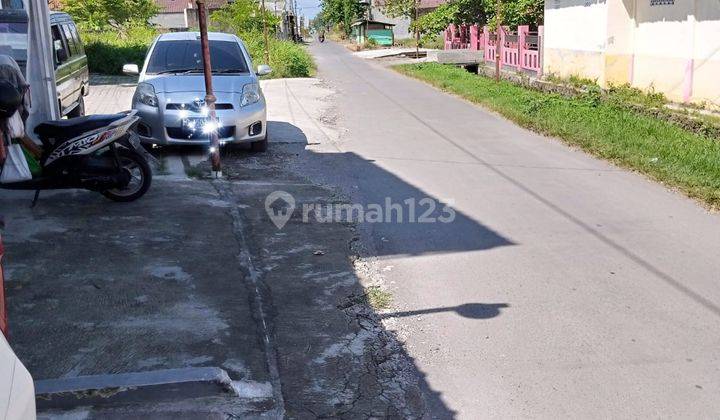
[[565, 287], [196, 276]]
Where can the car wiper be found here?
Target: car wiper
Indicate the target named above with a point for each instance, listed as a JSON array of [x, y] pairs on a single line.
[[230, 71], [179, 71]]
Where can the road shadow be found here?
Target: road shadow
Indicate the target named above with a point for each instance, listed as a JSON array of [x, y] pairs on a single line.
[[371, 185], [468, 310], [313, 284], [284, 132]]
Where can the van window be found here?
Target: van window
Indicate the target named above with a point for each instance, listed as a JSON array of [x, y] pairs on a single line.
[[14, 40], [59, 44], [72, 46], [76, 37]]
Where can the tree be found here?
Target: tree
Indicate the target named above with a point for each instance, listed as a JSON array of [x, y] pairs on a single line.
[[437, 20], [242, 17], [515, 12], [99, 14], [522, 12], [400, 8], [341, 13]]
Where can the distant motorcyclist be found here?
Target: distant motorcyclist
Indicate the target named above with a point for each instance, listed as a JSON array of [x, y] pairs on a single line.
[[321, 37]]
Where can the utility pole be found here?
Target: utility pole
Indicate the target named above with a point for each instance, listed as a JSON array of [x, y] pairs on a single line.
[[265, 32], [209, 95], [417, 30], [297, 22], [498, 39]]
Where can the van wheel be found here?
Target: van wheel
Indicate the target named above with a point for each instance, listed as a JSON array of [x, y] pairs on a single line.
[[79, 110]]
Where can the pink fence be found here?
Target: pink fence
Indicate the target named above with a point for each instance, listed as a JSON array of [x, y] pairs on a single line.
[[520, 48]]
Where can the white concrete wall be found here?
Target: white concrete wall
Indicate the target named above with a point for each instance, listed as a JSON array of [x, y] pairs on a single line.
[[401, 30], [670, 48], [575, 37], [706, 52], [677, 49], [576, 25], [169, 20]]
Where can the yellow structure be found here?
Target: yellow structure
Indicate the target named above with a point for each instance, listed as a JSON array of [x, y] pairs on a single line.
[[670, 46]]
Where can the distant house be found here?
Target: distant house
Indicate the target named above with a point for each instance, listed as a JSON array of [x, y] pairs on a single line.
[[365, 30], [182, 14], [671, 46], [172, 15], [401, 28]]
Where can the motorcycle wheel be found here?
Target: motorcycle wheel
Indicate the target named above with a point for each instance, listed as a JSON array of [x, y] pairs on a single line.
[[140, 177]]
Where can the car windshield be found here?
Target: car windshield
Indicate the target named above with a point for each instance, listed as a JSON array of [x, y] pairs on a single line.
[[184, 56], [14, 40]]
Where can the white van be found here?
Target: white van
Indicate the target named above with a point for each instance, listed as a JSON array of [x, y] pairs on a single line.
[[72, 75]]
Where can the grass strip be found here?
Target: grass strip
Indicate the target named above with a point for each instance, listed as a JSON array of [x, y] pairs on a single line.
[[600, 126]]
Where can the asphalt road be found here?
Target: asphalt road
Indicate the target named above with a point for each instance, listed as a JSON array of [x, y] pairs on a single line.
[[565, 287]]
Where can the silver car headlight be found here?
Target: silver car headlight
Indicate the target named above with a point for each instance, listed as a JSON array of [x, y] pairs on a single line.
[[145, 94], [250, 94]]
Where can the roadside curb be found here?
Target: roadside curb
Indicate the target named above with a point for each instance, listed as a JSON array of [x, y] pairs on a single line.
[[123, 388]]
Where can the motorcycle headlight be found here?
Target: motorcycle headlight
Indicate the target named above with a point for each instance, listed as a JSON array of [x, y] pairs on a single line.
[[250, 94], [145, 94]]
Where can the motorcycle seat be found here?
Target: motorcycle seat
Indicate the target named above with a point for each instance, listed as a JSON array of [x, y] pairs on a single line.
[[73, 127]]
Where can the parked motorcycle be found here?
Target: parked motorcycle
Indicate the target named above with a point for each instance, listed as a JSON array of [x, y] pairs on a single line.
[[98, 153]]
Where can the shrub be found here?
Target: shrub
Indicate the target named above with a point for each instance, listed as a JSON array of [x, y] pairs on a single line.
[[287, 58], [97, 14], [431, 41], [244, 18], [107, 51]]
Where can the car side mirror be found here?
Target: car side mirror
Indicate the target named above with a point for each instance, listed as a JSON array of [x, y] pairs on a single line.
[[131, 69], [264, 69]]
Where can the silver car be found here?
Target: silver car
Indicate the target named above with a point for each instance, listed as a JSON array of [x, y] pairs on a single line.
[[171, 89]]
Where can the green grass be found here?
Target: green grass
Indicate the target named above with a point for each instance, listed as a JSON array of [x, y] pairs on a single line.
[[287, 58], [428, 41], [377, 298], [108, 50], [599, 125]]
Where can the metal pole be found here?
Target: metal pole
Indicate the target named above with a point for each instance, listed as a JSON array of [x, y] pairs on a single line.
[[417, 31], [209, 95], [3, 308], [265, 33], [498, 40], [297, 22]]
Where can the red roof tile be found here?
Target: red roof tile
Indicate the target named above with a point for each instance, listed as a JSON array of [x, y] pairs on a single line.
[[177, 6], [172, 6], [424, 4]]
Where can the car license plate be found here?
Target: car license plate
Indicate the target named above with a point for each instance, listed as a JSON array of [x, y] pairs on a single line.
[[194, 124]]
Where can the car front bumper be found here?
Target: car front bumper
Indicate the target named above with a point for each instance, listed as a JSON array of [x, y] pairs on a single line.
[[164, 127]]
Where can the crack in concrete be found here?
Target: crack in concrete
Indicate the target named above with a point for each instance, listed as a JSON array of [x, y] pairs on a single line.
[[254, 277]]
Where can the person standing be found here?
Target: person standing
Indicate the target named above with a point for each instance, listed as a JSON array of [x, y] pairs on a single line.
[[13, 126]]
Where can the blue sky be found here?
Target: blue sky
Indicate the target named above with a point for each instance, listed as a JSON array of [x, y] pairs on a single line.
[[309, 8]]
